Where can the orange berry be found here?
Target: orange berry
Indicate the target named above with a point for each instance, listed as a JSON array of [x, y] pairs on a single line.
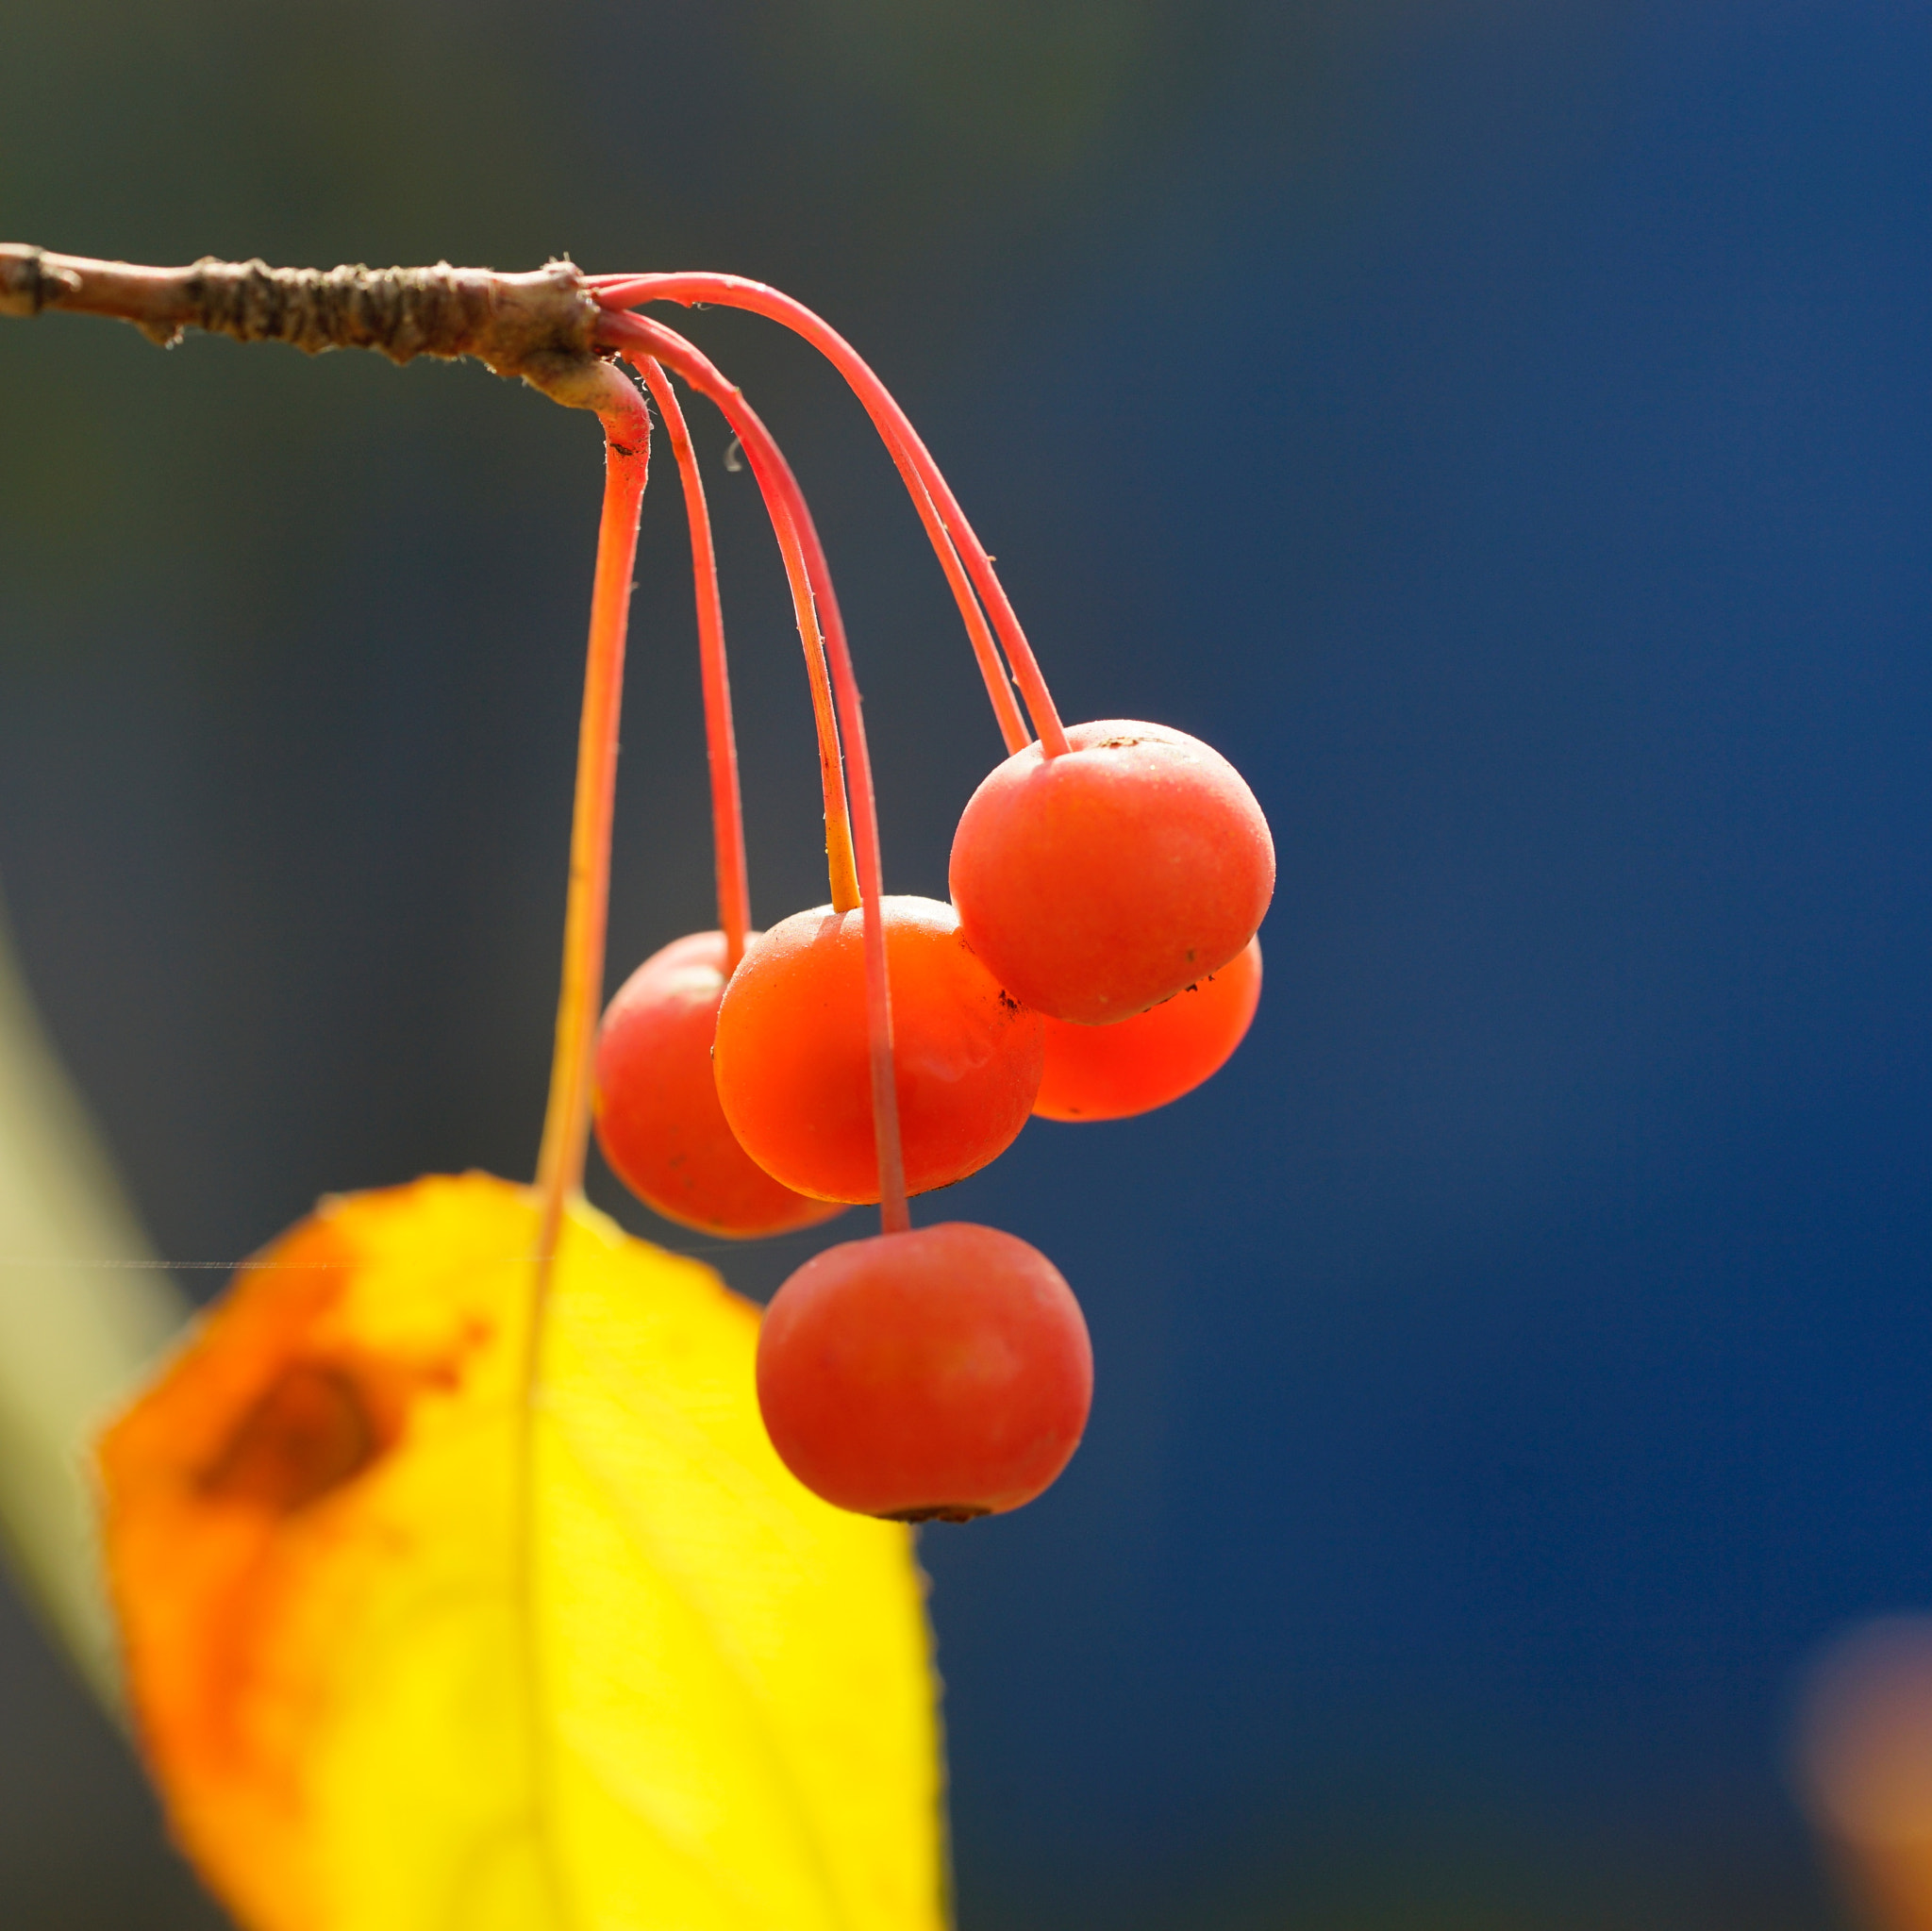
[[792, 1060], [1113, 1071], [942, 1373], [1096, 883], [656, 1108]]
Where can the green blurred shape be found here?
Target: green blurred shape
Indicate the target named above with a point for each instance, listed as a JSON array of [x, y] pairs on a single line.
[[83, 1310]]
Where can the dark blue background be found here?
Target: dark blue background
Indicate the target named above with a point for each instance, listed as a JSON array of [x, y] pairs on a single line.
[[1507, 433]]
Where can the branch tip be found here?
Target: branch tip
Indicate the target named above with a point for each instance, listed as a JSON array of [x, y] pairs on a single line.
[[539, 326]]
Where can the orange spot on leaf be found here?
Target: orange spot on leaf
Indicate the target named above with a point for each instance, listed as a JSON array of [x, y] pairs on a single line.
[[310, 1432]]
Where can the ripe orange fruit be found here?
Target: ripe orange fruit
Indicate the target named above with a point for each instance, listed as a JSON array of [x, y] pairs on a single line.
[[1096, 883], [1113, 1071], [792, 1060], [655, 1104], [943, 1373]]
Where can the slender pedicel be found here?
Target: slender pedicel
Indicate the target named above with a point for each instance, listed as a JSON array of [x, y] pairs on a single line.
[[798, 576], [993, 669], [840, 863], [567, 1118], [721, 741], [618, 292], [636, 334]]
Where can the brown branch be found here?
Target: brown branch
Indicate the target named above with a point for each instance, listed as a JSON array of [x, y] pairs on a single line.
[[540, 326]]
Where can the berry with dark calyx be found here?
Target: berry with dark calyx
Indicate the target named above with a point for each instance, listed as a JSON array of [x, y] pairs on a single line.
[[937, 1374], [1114, 1071], [793, 1066], [655, 1103], [1096, 883]]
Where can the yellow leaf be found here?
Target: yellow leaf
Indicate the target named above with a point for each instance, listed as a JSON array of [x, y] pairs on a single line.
[[689, 1697]]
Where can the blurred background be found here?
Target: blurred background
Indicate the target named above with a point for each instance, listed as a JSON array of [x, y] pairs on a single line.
[[1504, 430]]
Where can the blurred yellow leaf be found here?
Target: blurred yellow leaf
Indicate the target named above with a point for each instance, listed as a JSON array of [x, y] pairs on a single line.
[[407, 1654]]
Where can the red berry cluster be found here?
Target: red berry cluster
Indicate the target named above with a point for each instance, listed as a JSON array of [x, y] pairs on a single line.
[[1098, 959]]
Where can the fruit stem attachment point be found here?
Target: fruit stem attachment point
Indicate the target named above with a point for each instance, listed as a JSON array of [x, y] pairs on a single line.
[[567, 1118], [635, 335], [721, 741]]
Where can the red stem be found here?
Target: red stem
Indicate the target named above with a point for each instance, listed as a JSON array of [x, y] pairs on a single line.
[[567, 1118], [636, 334], [999, 687], [720, 742], [617, 293], [841, 865]]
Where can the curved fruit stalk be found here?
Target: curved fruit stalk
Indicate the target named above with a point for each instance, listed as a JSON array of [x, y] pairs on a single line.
[[587, 906], [962, 555], [714, 670]]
